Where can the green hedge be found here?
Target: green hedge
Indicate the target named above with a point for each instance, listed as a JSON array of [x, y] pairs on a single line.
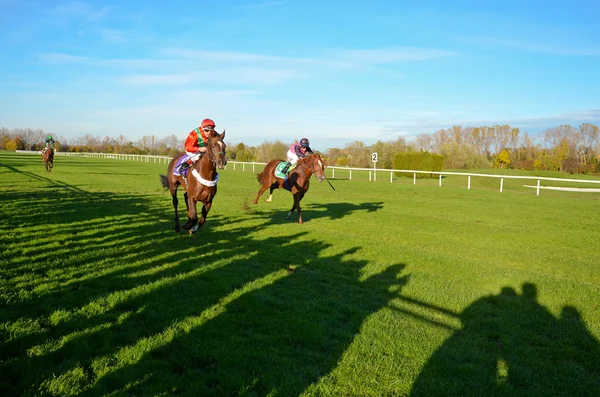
[[418, 161]]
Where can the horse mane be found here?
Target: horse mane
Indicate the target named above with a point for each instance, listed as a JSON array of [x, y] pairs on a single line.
[[304, 161]]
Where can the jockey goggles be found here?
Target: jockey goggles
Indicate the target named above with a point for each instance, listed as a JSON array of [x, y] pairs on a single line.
[[208, 128]]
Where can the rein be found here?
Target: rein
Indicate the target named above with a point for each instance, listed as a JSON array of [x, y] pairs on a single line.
[[213, 159], [311, 166], [212, 156]]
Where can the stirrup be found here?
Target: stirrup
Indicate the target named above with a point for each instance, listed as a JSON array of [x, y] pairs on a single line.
[[183, 167]]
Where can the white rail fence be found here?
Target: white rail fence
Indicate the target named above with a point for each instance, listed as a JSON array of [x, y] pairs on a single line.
[[372, 173]]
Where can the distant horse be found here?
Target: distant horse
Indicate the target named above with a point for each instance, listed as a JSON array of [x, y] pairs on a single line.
[[48, 157], [200, 184], [297, 182]]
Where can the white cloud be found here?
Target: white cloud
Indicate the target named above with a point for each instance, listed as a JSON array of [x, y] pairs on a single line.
[[247, 58], [260, 5], [429, 124], [76, 9], [535, 47], [164, 79], [394, 55], [56, 57], [113, 35], [254, 76]]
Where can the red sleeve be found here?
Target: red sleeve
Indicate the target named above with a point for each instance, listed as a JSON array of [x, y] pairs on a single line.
[[191, 143]]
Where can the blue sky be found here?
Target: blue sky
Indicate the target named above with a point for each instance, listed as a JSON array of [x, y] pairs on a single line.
[[333, 71]]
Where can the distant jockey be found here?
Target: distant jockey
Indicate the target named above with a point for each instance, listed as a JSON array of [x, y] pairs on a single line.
[[297, 151]]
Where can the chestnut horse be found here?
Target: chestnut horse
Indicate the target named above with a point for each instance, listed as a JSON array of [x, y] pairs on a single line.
[[200, 184], [297, 182], [48, 158]]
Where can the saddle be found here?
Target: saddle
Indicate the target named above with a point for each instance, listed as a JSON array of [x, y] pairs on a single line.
[[182, 160], [278, 170]]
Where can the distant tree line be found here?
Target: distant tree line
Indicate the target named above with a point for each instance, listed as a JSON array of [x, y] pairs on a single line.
[[562, 148], [33, 139]]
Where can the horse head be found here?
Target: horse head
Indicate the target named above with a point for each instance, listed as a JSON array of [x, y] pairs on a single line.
[[216, 150], [317, 165]]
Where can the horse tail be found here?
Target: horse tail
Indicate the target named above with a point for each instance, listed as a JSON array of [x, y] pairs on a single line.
[[259, 177], [164, 181]]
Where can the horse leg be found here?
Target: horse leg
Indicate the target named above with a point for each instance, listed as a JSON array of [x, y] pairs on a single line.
[[192, 215], [300, 196], [260, 192], [297, 197], [189, 223], [274, 186], [294, 206], [205, 209], [175, 203]]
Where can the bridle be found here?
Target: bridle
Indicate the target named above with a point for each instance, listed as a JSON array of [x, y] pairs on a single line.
[[312, 163], [212, 156]]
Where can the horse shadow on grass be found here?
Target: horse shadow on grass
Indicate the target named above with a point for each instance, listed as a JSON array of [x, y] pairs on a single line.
[[150, 311], [313, 211], [272, 339], [512, 345]]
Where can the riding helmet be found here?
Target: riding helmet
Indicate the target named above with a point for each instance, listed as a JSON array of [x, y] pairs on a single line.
[[207, 123]]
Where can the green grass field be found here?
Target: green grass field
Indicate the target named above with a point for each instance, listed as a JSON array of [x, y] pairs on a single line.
[[387, 289]]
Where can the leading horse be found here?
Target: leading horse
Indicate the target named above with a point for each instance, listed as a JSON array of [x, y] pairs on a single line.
[[297, 183], [48, 158], [200, 184]]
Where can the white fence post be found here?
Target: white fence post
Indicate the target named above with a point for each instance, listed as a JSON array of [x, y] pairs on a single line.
[[469, 183], [501, 184]]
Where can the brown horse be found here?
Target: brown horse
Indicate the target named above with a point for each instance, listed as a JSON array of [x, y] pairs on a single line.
[[200, 184], [297, 182], [48, 158]]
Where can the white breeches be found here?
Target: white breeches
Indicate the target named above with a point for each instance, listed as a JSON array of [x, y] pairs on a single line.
[[193, 156], [292, 157]]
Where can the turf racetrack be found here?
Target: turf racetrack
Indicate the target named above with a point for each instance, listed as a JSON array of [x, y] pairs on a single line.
[[386, 289]]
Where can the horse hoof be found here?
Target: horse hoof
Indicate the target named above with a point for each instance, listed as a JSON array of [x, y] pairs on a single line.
[[254, 201]]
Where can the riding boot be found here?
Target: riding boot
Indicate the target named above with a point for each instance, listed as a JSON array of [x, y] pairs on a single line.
[[184, 166], [286, 168]]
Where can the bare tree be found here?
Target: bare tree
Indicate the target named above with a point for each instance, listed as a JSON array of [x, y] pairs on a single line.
[[122, 140], [514, 143], [173, 142], [424, 143], [500, 138], [440, 138], [588, 137], [557, 136]]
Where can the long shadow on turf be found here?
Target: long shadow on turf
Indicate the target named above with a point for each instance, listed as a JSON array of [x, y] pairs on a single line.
[[317, 211], [279, 338], [162, 328], [51, 182], [512, 345]]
